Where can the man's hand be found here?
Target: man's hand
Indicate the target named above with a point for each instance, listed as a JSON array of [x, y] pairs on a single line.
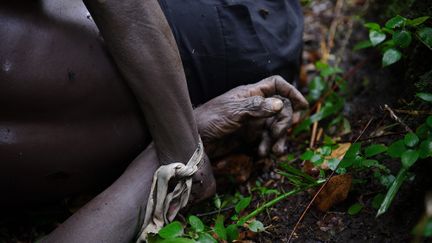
[[246, 113]]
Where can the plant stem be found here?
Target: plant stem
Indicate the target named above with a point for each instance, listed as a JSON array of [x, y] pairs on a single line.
[[269, 204]]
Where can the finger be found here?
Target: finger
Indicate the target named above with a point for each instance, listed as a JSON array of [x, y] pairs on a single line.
[[265, 144], [283, 120], [280, 147], [259, 107], [276, 85]]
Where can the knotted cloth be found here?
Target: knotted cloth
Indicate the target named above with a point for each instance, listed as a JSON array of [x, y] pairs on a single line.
[[163, 205]]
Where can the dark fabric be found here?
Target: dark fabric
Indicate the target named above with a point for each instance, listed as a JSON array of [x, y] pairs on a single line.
[[224, 44]]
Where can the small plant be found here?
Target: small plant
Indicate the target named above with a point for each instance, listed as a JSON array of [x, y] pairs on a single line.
[[396, 34]]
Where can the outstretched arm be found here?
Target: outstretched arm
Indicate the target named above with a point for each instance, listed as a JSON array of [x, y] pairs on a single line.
[[143, 47]]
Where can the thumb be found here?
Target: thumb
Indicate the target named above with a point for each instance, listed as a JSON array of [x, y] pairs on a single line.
[[259, 107]]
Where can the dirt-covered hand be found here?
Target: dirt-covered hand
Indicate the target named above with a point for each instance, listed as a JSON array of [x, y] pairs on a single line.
[[248, 112]]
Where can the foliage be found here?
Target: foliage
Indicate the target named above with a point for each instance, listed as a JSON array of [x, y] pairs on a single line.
[[396, 34]]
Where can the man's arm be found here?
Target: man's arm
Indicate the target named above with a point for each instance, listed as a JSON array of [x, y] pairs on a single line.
[[143, 47]]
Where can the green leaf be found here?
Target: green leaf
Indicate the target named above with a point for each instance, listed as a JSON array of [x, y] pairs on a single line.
[[256, 226], [429, 121], [422, 131], [418, 21], [232, 232], [244, 203], [402, 38], [219, 228], [369, 163], [411, 139], [362, 45], [391, 193], [427, 232], [325, 150], [391, 56], [409, 157], [376, 37], [307, 155], [425, 149], [333, 163], [196, 223], [386, 180], [372, 26], [176, 240], [317, 159], [353, 150], [205, 238], [355, 209], [395, 22], [377, 200], [425, 96], [375, 149], [217, 201], [396, 149], [316, 87], [425, 36], [172, 230]]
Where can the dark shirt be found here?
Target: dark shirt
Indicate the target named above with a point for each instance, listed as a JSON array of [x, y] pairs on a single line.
[[224, 44]]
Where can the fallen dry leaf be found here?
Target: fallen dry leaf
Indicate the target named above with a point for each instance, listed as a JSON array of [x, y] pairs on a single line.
[[334, 192]]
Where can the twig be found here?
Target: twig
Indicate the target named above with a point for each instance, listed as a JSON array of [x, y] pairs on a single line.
[[413, 112], [396, 118], [314, 128], [216, 211], [321, 188]]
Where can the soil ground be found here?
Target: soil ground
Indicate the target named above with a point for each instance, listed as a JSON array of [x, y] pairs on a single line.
[[371, 88]]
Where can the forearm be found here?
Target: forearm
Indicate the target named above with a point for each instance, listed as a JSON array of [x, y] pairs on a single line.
[[115, 215], [142, 45]]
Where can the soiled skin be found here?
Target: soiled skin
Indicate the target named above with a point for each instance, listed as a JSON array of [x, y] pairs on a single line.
[[73, 115]]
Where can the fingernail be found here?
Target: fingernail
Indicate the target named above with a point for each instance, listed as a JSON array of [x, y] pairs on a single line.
[[277, 104]]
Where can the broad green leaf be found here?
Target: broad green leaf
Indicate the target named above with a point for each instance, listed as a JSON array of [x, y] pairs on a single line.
[[409, 157], [418, 21], [196, 223], [303, 126], [317, 159], [232, 232], [375, 149], [422, 131], [427, 232], [256, 226], [325, 150], [362, 45], [425, 35], [372, 26], [376, 37], [353, 150], [429, 121], [205, 238], [217, 201], [369, 163], [402, 38], [333, 163], [391, 56], [425, 149], [219, 228], [171, 230], [411, 139], [377, 200], [307, 155], [242, 204], [386, 180], [391, 193], [425, 96], [316, 87], [396, 149], [176, 240], [395, 22], [355, 209]]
